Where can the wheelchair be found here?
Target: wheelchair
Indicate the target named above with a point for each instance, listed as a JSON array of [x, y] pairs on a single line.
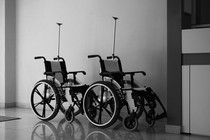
[[103, 110], [51, 94]]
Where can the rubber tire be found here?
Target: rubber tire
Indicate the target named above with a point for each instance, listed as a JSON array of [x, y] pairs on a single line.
[[130, 126]]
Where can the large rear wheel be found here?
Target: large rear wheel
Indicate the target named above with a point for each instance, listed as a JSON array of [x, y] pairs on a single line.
[[45, 100], [101, 104]]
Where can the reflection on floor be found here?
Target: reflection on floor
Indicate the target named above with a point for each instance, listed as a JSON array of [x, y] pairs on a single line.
[[29, 127]]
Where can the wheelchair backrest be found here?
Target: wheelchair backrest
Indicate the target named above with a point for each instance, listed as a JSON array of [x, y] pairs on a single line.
[[113, 67], [56, 69]]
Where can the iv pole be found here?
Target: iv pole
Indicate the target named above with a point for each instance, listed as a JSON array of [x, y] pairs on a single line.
[[113, 49], [59, 24]]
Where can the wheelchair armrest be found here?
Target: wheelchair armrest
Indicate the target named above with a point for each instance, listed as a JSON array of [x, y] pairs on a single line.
[[134, 72], [75, 72], [105, 74], [111, 73], [132, 75]]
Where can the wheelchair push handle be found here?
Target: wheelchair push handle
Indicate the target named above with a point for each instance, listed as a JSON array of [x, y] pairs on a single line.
[[93, 56], [58, 58], [75, 72], [110, 57], [144, 73], [40, 57], [113, 57]]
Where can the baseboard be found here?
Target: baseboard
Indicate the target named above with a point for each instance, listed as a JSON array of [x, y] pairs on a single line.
[[7, 105], [23, 105], [176, 129], [2, 105], [10, 105]]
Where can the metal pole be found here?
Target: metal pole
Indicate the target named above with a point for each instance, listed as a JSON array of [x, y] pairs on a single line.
[[113, 49], [59, 24]]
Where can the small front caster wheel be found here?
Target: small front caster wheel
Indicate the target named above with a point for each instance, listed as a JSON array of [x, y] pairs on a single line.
[[151, 118], [130, 124], [69, 114]]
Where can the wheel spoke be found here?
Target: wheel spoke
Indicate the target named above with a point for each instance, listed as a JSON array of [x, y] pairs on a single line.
[[37, 91], [43, 111], [36, 104], [109, 112], [51, 107], [45, 101], [99, 118], [101, 105]]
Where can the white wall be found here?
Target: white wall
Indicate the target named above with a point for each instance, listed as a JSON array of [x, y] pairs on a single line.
[[2, 52], [88, 29]]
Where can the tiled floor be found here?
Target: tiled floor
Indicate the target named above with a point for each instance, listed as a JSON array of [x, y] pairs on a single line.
[[31, 128]]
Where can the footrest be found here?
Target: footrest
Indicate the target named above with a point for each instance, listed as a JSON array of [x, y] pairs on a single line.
[[163, 115], [74, 86], [140, 89], [127, 88], [135, 89], [84, 86]]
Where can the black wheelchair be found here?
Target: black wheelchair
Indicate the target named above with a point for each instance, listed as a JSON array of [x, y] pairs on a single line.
[[103, 109], [49, 95]]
